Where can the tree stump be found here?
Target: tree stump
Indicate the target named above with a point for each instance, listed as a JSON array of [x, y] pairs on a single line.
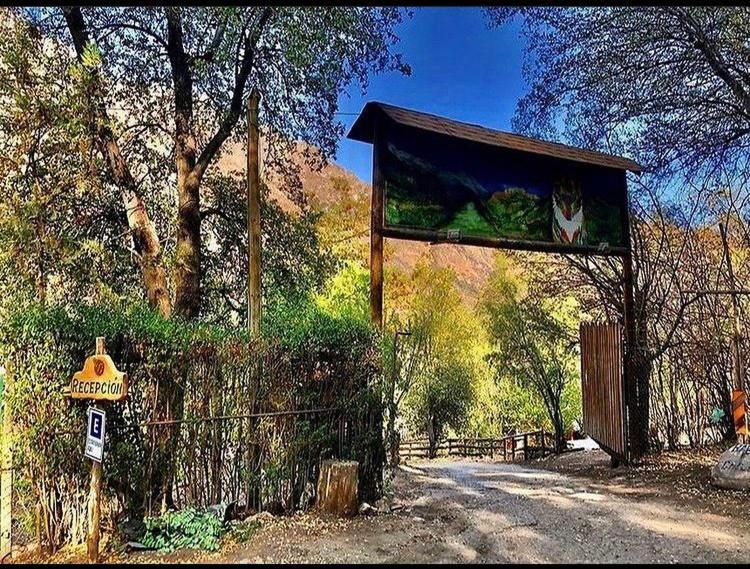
[[337, 487]]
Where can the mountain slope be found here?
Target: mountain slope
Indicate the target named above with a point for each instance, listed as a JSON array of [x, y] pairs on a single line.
[[335, 190]]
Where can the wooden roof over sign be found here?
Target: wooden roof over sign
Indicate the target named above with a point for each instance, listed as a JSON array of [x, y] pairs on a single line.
[[363, 130]]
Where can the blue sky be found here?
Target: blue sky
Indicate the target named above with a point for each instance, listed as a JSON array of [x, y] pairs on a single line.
[[460, 69]]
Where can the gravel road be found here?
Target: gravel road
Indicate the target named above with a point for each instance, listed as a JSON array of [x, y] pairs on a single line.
[[468, 511]]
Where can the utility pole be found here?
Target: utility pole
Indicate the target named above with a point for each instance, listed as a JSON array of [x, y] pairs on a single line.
[[253, 216], [738, 393]]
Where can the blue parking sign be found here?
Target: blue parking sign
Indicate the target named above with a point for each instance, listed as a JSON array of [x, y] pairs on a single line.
[[95, 434]]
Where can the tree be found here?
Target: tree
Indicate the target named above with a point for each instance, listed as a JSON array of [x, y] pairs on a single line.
[[179, 76], [667, 85], [58, 226], [533, 342], [437, 380], [295, 263]]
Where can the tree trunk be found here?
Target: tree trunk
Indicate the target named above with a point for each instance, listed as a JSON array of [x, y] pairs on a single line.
[[432, 437], [145, 239], [146, 244], [187, 275], [392, 437], [338, 484]]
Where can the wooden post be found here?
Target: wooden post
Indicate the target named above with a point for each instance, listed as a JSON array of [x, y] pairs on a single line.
[[543, 444], [95, 494], [376, 231], [253, 216], [738, 415], [525, 446], [737, 371], [634, 387], [6, 477]]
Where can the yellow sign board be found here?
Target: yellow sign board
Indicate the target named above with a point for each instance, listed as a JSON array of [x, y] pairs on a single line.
[[99, 380]]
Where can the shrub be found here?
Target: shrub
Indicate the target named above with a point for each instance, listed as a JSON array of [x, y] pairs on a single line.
[[307, 359], [187, 529]]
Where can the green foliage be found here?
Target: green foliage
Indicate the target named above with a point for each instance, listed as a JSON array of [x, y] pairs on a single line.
[[310, 359], [347, 292], [441, 356], [503, 405], [186, 529], [294, 262], [243, 532], [58, 224], [534, 343]]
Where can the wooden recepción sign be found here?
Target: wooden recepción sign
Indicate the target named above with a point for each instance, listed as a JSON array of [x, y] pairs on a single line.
[[99, 380]]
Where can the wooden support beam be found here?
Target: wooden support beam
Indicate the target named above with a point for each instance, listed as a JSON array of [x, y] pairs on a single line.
[[635, 388], [253, 216], [376, 233]]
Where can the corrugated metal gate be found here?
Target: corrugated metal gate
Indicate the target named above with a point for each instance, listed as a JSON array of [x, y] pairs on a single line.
[[603, 387]]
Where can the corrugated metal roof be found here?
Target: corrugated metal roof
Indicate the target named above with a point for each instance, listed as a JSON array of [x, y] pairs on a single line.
[[363, 129]]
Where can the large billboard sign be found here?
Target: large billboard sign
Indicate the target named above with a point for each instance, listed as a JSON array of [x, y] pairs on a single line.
[[447, 188]]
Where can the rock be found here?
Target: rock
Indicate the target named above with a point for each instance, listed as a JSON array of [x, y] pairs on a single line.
[[136, 546], [396, 507], [383, 505], [733, 468], [365, 508], [222, 510]]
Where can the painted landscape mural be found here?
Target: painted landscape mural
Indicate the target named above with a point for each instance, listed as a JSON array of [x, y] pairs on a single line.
[[443, 184]]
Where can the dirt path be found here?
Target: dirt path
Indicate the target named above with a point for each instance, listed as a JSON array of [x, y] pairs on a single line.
[[491, 512]]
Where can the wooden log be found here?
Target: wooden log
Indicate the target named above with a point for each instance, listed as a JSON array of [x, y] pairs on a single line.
[[337, 487]]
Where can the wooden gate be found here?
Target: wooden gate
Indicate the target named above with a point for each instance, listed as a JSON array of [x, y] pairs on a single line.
[[603, 387]]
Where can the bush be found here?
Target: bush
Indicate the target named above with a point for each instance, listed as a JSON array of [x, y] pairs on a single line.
[[308, 359], [187, 529]]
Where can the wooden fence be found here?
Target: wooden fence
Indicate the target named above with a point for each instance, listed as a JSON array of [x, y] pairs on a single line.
[[602, 386], [524, 446]]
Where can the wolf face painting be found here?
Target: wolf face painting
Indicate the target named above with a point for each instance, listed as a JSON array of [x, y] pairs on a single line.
[[567, 212]]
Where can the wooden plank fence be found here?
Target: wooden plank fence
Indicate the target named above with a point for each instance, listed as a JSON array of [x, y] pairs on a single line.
[[602, 386], [533, 444]]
